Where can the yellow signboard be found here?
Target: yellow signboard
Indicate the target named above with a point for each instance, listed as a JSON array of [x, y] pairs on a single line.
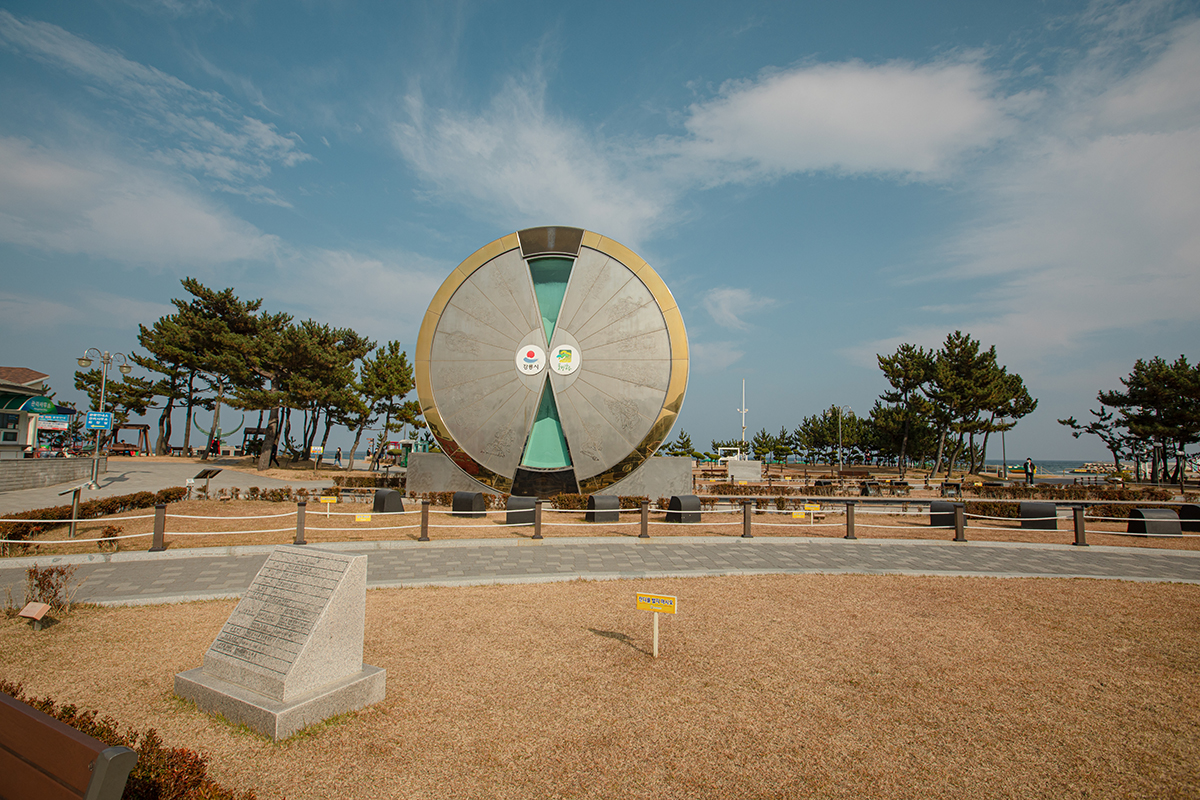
[[797, 515], [362, 517], [327, 499], [662, 603], [812, 506]]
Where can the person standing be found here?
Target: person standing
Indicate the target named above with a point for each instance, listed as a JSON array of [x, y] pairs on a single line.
[[1030, 469], [337, 458]]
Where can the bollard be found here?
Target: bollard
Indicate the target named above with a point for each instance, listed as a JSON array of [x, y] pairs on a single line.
[[300, 507], [1080, 534], [959, 523], [160, 528], [645, 534], [424, 521], [74, 511], [850, 520], [537, 518], [746, 517]]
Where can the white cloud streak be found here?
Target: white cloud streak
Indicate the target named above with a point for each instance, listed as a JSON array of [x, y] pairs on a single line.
[[728, 306], [109, 209], [517, 161], [207, 134]]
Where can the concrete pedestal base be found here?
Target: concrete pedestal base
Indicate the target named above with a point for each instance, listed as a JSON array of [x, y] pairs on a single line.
[[281, 720]]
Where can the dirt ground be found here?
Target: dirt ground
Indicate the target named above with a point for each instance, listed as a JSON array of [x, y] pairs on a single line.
[[766, 686], [211, 523]]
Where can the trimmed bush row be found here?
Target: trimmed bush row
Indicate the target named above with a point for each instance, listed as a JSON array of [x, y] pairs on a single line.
[[379, 481], [161, 771], [89, 509]]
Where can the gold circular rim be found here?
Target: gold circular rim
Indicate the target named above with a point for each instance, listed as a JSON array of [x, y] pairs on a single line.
[[676, 386]]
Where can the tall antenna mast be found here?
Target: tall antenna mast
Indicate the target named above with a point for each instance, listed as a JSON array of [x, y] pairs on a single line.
[[742, 411]]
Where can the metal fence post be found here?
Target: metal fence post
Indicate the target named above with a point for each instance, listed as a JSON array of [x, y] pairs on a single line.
[[537, 518], [424, 521], [959, 523], [850, 520], [300, 508], [74, 511], [1080, 533], [747, 515], [160, 528], [645, 534]]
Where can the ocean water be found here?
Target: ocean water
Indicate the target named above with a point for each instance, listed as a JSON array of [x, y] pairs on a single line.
[[1047, 467]]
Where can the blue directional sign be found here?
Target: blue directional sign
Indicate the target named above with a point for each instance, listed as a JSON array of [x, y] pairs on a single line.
[[98, 421]]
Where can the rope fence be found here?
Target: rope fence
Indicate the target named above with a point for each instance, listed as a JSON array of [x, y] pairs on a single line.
[[953, 518]]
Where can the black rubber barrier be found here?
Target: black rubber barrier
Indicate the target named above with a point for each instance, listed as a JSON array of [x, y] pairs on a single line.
[[603, 508], [519, 510], [684, 508], [468, 504], [941, 514], [387, 500], [1030, 512], [1154, 520], [1189, 518]]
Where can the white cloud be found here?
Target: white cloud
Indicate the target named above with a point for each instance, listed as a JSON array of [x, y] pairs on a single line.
[[517, 162], [382, 296], [207, 134], [108, 209], [898, 118], [727, 306], [1094, 224], [526, 166], [712, 357]]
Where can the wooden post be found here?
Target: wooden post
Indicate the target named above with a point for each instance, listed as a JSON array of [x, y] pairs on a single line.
[[1080, 533], [850, 520], [300, 509], [424, 521], [959, 523], [746, 516], [160, 528], [656, 634], [645, 534], [537, 518]]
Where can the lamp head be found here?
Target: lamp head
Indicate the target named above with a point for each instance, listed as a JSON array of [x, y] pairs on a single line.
[[84, 362], [125, 369]]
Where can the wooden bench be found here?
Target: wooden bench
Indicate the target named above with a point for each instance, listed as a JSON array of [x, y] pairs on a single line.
[[42, 758]]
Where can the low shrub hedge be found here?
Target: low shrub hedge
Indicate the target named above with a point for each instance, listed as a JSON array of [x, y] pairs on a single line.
[[160, 772], [89, 509]]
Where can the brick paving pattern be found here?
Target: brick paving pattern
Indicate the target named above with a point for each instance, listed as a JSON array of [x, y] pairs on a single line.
[[178, 575]]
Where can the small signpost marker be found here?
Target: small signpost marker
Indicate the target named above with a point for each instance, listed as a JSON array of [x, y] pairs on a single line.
[[659, 604], [327, 500]]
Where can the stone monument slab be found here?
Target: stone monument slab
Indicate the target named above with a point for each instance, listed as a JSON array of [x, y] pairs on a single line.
[[290, 654]]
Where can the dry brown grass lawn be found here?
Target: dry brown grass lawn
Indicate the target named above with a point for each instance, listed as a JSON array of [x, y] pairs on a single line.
[[768, 686]]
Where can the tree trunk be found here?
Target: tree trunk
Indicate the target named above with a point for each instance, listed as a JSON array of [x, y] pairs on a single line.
[[324, 439], [264, 455], [954, 454], [937, 461], [191, 410], [357, 438], [216, 429], [163, 446]]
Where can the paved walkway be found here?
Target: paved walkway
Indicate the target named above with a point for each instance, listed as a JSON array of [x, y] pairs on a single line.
[[181, 575], [126, 476]]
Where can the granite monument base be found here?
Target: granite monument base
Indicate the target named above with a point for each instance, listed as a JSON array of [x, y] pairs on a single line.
[[276, 719]]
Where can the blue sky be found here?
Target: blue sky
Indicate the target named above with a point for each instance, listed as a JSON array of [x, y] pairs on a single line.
[[816, 182]]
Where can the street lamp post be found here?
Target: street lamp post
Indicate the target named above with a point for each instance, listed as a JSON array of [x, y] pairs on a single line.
[[106, 360], [841, 410]]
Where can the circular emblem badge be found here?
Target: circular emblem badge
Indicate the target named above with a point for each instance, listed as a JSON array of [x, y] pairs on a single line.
[[565, 359], [530, 359]]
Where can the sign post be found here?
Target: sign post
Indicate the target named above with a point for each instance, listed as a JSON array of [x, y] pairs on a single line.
[[327, 500], [659, 604]]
